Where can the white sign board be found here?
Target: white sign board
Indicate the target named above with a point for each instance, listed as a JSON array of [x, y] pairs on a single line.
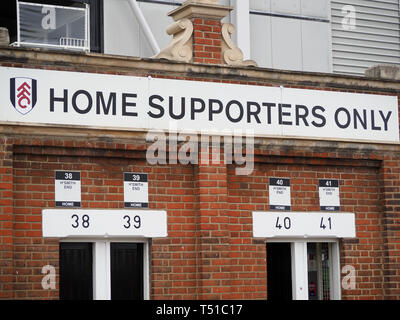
[[136, 190], [329, 197], [67, 189], [303, 225], [279, 194], [145, 103], [63, 223]]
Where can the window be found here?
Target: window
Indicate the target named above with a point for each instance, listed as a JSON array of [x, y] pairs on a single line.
[[279, 271], [303, 270], [76, 276], [319, 271], [46, 29], [104, 270], [126, 271], [52, 26]]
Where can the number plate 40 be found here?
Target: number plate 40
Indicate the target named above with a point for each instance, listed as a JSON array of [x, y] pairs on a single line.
[[303, 224]]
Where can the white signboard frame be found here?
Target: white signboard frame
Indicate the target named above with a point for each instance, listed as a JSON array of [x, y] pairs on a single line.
[[146, 103], [63, 223], [136, 190], [303, 225], [279, 194], [329, 194], [67, 188]]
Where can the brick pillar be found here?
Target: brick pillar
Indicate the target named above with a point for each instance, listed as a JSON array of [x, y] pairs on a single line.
[[213, 244], [390, 178], [207, 39], [206, 16], [6, 219]]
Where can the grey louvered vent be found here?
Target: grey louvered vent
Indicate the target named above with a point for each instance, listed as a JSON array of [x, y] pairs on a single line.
[[371, 38]]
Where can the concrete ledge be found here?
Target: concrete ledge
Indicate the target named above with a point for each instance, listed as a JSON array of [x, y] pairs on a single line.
[[391, 72], [4, 36], [262, 144], [101, 63], [200, 10]]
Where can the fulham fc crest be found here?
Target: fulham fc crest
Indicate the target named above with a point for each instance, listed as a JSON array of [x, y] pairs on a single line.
[[23, 94]]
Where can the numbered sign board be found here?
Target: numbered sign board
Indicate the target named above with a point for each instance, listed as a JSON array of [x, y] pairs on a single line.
[[279, 194], [67, 189], [303, 225], [136, 190], [63, 223], [329, 198]]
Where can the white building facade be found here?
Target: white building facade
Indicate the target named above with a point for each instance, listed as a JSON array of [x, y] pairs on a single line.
[[328, 36]]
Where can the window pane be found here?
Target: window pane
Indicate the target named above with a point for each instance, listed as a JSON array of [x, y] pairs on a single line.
[[52, 25], [325, 270], [319, 271], [126, 271], [76, 271]]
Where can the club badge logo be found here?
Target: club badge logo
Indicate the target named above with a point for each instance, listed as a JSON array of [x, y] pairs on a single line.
[[23, 94]]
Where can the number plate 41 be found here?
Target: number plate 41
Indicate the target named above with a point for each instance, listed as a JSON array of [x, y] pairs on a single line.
[[303, 224]]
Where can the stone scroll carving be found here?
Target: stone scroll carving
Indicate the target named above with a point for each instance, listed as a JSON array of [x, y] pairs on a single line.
[[202, 1], [180, 48], [231, 54]]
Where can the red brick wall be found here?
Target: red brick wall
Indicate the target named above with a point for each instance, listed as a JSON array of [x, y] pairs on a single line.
[[6, 219], [207, 41], [390, 188], [359, 190], [173, 260], [211, 203], [209, 252]]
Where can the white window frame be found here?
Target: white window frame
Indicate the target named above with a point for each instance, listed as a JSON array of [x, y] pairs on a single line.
[[102, 265], [298, 248]]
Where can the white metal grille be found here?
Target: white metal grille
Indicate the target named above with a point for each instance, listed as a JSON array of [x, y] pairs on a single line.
[[364, 33], [73, 42]]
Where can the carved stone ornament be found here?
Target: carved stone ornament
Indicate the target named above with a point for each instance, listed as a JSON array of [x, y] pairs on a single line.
[[202, 1], [231, 54], [180, 48]]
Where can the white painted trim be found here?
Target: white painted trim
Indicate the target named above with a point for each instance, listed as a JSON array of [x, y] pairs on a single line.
[[242, 22], [101, 289], [87, 31], [299, 270], [335, 281], [146, 270], [330, 40]]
